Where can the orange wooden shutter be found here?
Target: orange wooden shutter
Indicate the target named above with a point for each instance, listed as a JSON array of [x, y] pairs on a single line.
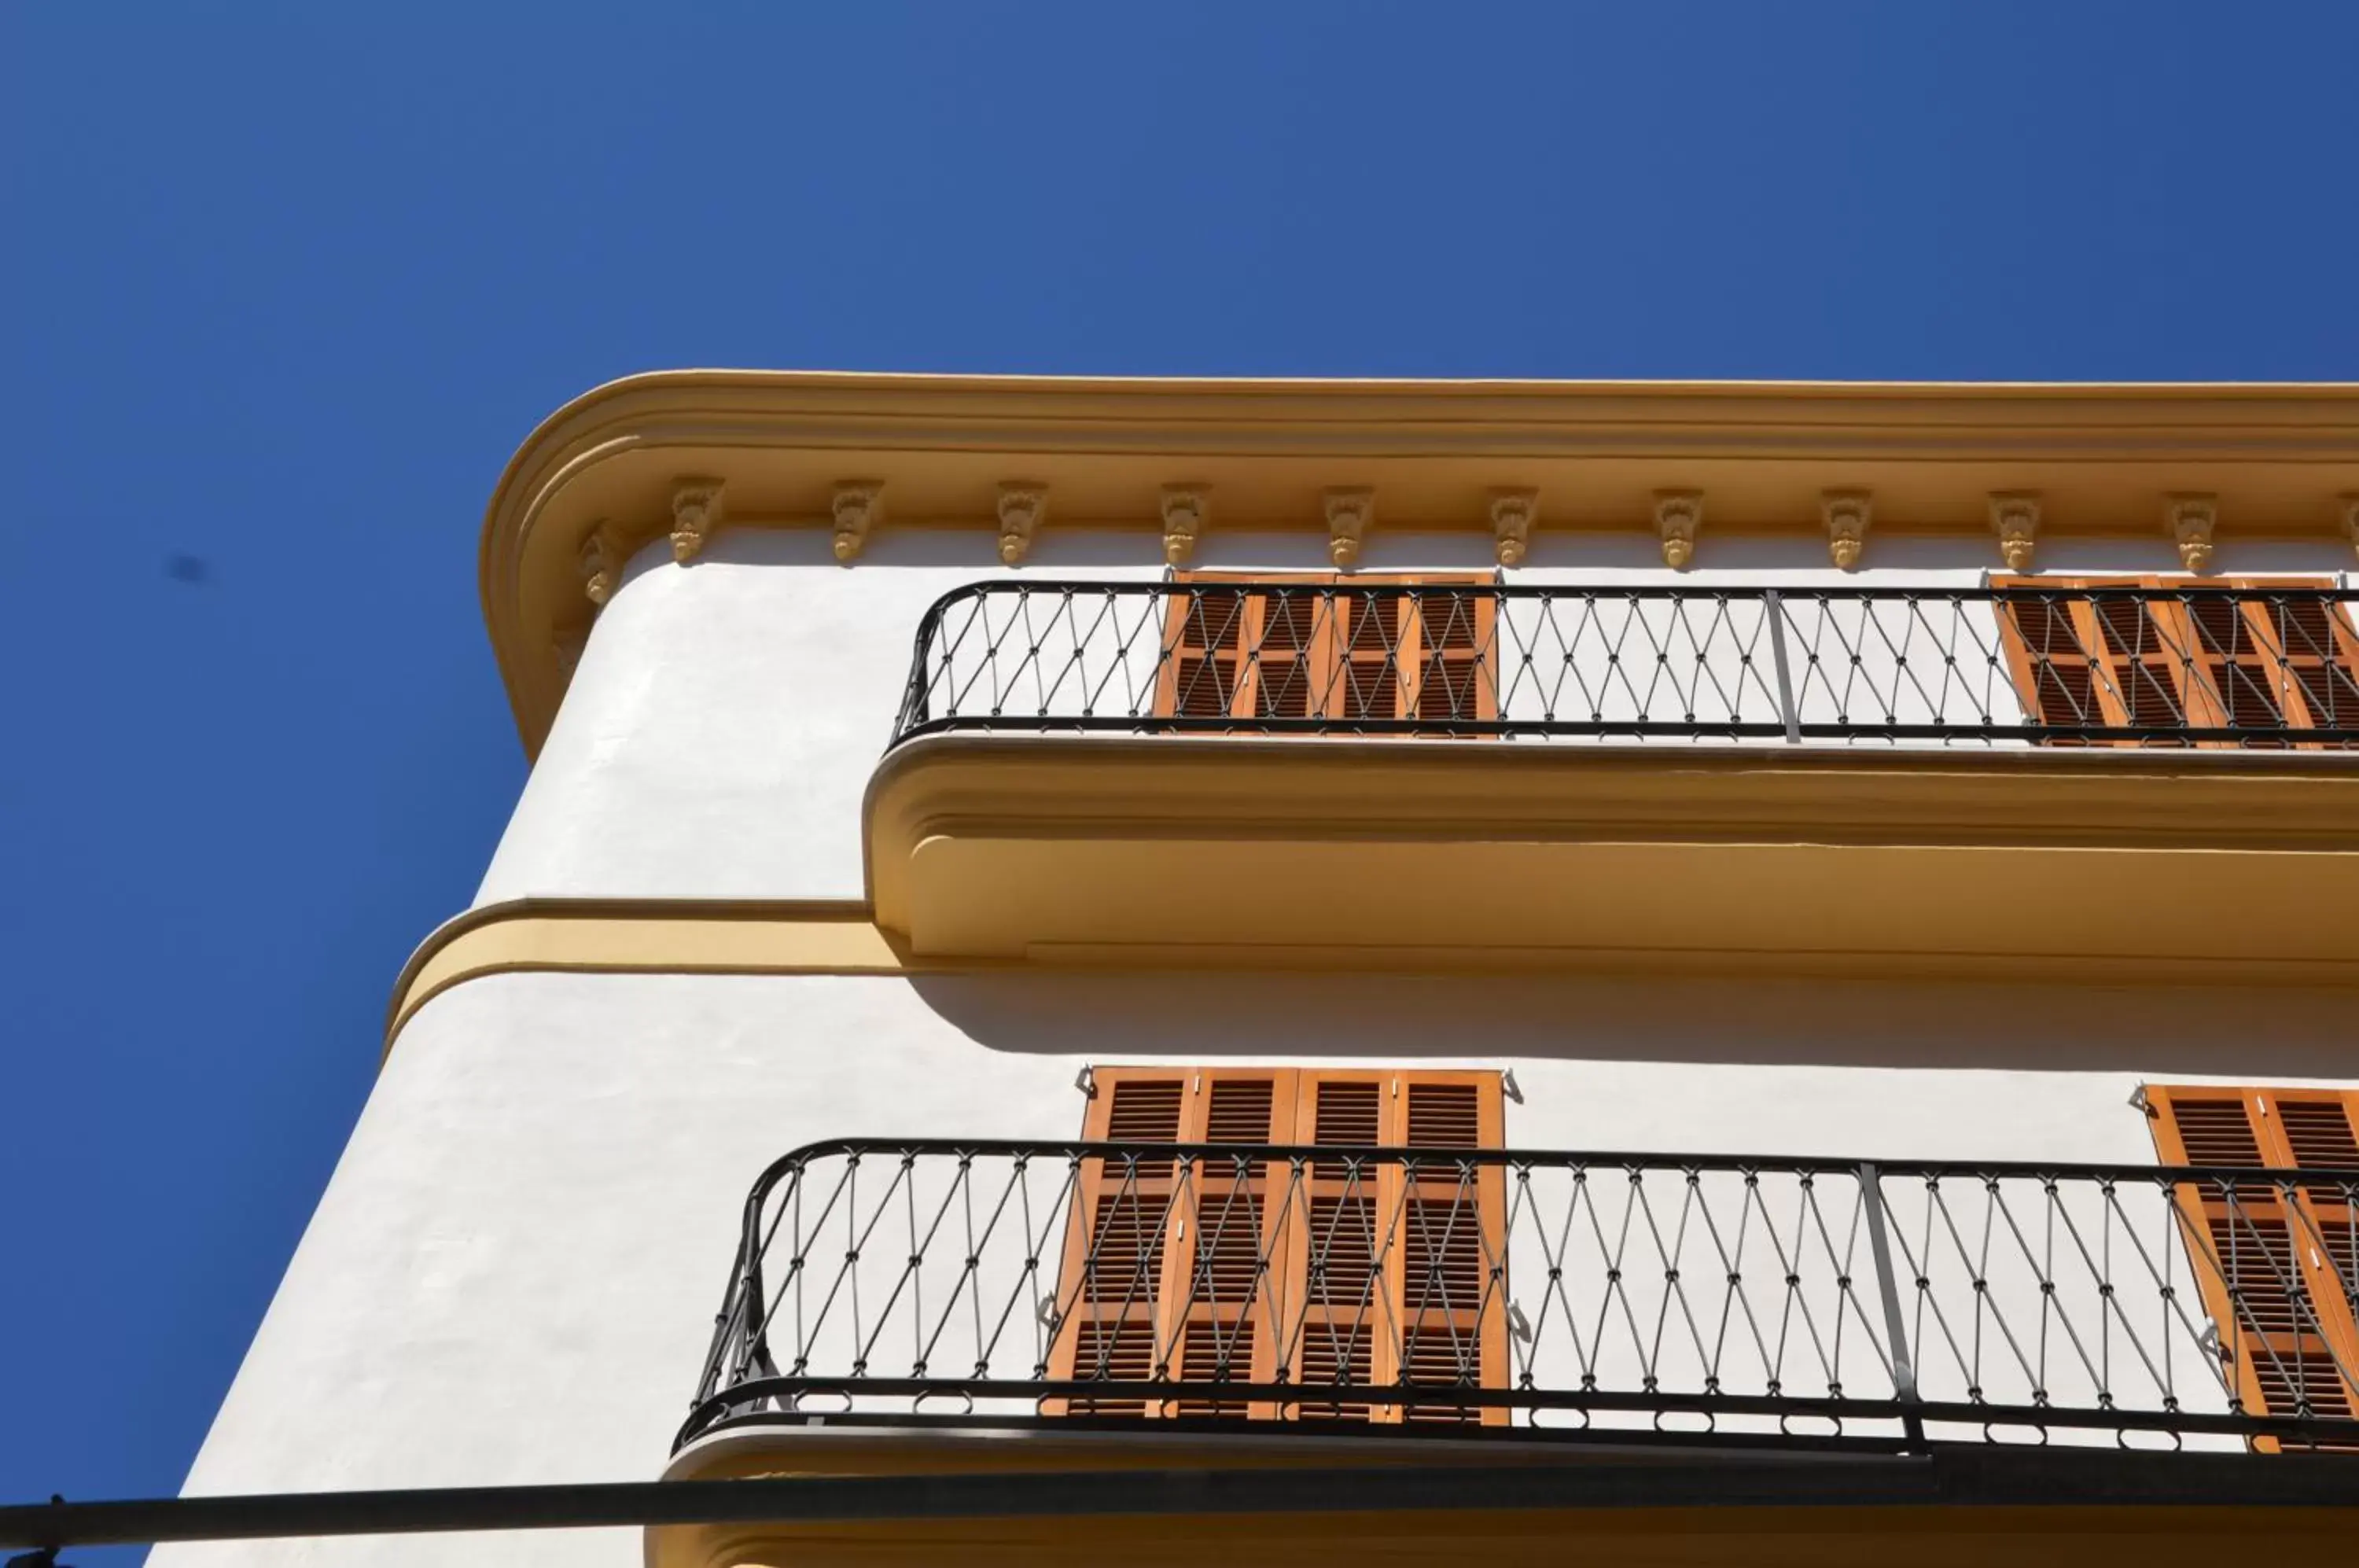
[[1320, 645], [2290, 1321], [1414, 647], [1340, 1312], [2232, 677], [1403, 1278], [1206, 632], [2090, 655], [1234, 654], [1451, 1278], [2088, 658], [1210, 1270], [2057, 656], [1110, 1287], [1224, 1288], [2313, 653]]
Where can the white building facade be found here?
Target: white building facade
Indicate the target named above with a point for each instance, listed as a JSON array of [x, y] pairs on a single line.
[[1753, 879]]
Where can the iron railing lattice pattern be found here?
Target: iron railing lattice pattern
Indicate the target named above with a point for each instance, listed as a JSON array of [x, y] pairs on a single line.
[[2179, 666], [1765, 1299]]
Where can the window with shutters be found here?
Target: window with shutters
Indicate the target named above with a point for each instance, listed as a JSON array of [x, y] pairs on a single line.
[[1356, 1271], [2097, 654], [1328, 646], [2280, 1263]]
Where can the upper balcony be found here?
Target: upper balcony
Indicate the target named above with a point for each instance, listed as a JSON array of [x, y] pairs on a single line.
[[1341, 768]]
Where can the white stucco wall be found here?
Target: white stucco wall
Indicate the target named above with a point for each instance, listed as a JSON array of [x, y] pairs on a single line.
[[513, 1273]]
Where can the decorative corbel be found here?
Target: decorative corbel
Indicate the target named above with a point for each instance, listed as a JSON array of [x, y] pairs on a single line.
[[695, 516], [601, 560], [859, 507], [2015, 518], [1847, 513], [1513, 513], [2350, 504], [1185, 509], [1678, 515], [1349, 513], [2189, 519], [1022, 508]]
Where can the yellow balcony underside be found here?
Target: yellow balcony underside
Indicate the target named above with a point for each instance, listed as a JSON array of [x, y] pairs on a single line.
[[2130, 864], [1701, 1533]]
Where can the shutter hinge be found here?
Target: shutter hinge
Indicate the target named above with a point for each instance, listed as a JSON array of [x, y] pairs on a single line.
[[1509, 1087], [1518, 1325], [1086, 1081], [2138, 1102]]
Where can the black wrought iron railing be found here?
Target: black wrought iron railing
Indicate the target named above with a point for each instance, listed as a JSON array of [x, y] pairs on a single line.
[[2179, 666], [1771, 1300]]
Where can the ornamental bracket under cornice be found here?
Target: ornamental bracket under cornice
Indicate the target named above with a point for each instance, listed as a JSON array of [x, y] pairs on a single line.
[[2189, 519], [1186, 509], [859, 507], [1847, 514], [1678, 515], [1513, 513], [1350, 510], [601, 559], [2015, 518], [1022, 510], [695, 516]]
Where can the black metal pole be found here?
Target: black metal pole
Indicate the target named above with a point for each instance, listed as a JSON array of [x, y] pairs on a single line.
[[1962, 1476]]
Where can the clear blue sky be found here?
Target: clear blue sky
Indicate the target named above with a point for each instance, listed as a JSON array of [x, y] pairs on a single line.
[[284, 286]]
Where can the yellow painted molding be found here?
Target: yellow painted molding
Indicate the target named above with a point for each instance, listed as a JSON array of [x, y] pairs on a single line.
[[681, 936], [649, 457], [2170, 868], [1750, 1535]]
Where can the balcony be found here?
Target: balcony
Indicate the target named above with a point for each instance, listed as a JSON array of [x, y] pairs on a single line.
[[1846, 779], [1379, 1295]]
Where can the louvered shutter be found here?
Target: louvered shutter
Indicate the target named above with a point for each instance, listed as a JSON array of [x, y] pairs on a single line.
[[2312, 649], [1224, 1286], [1164, 1275], [2277, 1275], [2089, 656], [2056, 653], [1328, 646], [1453, 1275], [1110, 1287], [1230, 653], [2092, 657], [1456, 668], [1206, 636], [1217, 1269], [1405, 1276], [1334, 1247], [2230, 676], [1416, 647]]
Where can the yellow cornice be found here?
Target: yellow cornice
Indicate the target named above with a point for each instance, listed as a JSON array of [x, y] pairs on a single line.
[[607, 473]]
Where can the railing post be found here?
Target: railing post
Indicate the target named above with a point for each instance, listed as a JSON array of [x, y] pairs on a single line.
[[1895, 1331], [1775, 608]]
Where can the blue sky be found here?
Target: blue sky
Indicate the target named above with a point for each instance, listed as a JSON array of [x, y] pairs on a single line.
[[284, 286]]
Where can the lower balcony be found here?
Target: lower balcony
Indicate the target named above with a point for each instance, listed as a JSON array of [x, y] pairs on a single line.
[[1382, 1296]]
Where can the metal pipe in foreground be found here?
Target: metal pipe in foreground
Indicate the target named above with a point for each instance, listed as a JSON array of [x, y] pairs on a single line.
[[1963, 1476]]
